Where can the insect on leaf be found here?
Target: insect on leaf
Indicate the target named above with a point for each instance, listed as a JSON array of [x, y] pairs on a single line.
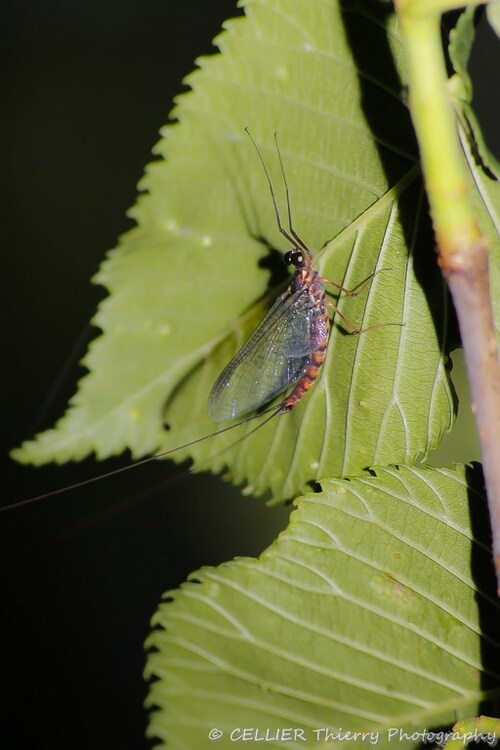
[[189, 284]]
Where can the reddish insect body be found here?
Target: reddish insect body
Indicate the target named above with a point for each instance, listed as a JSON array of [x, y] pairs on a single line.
[[287, 348], [307, 279], [289, 345]]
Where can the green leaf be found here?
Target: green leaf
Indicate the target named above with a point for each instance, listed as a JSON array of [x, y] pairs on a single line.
[[460, 47], [188, 284], [493, 15], [481, 165], [364, 614]]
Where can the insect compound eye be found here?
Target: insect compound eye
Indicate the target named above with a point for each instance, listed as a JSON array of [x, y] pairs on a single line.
[[293, 258]]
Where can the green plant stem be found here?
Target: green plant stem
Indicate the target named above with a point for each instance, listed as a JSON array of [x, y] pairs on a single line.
[[462, 250], [468, 730], [434, 122], [427, 8]]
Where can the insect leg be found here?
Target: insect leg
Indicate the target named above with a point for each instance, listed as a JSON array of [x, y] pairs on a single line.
[[351, 329], [358, 289]]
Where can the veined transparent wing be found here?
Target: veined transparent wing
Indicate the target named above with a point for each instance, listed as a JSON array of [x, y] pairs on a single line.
[[275, 356]]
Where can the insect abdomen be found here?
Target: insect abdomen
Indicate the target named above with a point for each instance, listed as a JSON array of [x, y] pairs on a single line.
[[320, 333]]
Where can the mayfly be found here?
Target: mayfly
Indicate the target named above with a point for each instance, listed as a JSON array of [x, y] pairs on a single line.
[[288, 347], [286, 350]]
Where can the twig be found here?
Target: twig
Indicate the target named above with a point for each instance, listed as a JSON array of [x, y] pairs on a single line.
[[463, 254]]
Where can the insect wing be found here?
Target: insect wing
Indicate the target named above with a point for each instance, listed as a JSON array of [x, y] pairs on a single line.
[[275, 356]]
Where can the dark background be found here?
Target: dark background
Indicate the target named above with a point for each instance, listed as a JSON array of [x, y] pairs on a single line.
[[87, 86]]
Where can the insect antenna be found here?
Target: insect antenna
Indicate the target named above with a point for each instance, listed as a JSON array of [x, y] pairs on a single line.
[[290, 236], [294, 234]]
